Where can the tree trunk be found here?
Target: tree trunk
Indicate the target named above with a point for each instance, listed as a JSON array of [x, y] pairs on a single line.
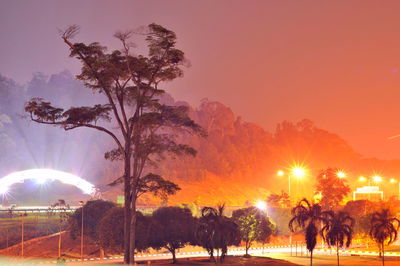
[[337, 253], [247, 248], [383, 253], [311, 258], [132, 232], [127, 202], [173, 256]]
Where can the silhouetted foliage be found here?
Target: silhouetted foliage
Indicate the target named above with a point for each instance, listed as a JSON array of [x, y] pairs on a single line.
[[93, 212], [175, 228], [216, 231], [383, 229], [253, 226], [306, 216], [111, 231], [338, 231]]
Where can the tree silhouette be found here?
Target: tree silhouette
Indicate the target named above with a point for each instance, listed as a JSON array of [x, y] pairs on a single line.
[[306, 216], [339, 230], [383, 229], [143, 128], [216, 231], [174, 230]]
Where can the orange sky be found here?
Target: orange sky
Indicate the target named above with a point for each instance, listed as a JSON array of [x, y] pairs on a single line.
[[337, 64]]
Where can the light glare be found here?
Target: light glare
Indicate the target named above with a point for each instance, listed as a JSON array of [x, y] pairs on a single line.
[[261, 205], [299, 172], [42, 175], [341, 174], [377, 179], [3, 190], [280, 173]]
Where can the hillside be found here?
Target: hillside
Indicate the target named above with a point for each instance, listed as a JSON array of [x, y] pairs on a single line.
[[236, 163]]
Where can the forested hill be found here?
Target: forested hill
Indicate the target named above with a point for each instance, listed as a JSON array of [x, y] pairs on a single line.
[[237, 162]]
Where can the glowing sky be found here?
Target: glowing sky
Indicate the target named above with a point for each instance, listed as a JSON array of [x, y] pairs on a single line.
[[337, 64]]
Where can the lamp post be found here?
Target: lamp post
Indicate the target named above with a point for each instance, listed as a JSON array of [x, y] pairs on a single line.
[[81, 203], [297, 172]]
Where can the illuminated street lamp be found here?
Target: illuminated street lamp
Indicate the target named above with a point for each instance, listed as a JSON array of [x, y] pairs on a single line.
[[362, 179], [377, 179], [298, 172], [341, 174], [261, 205]]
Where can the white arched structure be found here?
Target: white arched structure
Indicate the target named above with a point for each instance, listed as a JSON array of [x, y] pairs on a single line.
[[42, 176]]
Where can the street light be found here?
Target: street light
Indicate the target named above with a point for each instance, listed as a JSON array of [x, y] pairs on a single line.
[[298, 172], [261, 205], [341, 174], [81, 203], [377, 178]]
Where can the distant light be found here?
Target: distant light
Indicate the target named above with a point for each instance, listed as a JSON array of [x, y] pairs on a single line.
[[377, 178], [280, 173], [261, 205], [41, 180], [299, 172], [341, 174], [362, 179], [3, 190], [392, 180], [42, 175]]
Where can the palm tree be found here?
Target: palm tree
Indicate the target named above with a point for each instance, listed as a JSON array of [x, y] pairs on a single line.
[[339, 230], [383, 229], [306, 216], [216, 231]]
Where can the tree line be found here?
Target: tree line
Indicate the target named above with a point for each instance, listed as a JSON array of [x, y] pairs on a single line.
[[172, 228]]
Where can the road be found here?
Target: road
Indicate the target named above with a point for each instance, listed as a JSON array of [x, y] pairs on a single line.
[[321, 257]]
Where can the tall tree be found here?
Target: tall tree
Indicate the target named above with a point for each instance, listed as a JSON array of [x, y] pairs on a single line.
[[253, 226], [383, 229], [306, 216], [339, 230], [130, 85], [332, 188]]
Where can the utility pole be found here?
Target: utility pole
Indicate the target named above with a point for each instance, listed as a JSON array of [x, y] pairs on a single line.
[[81, 203], [22, 236]]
